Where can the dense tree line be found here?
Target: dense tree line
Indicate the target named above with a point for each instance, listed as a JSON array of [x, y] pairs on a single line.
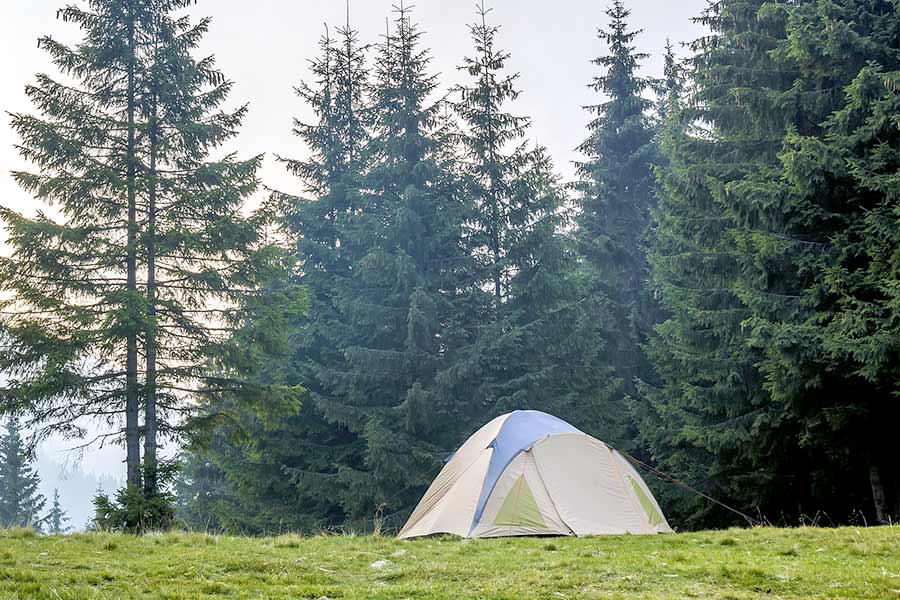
[[764, 251], [716, 293], [707, 295]]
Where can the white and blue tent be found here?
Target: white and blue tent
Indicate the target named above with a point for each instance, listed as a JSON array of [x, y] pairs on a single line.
[[529, 473]]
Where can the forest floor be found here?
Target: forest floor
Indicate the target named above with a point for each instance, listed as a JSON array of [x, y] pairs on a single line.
[[737, 564]]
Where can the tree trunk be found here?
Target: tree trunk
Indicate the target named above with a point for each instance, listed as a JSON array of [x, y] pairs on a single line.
[[882, 507], [132, 433], [150, 429], [492, 177]]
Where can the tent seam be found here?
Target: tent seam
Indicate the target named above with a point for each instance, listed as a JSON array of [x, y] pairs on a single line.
[[628, 493], [537, 467]]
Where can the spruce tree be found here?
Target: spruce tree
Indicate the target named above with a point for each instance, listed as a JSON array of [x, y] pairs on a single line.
[[310, 448], [537, 344], [805, 238], [862, 334], [127, 161], [709, 420], [20, 501], [616, 197], [296, 483], [75, 312], [397, 305], [207, 264], [57, 518]]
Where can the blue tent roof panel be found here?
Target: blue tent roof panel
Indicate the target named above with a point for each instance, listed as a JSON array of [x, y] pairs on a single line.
[[519, 432]]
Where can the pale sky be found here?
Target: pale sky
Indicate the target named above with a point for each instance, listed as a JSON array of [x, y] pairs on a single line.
[[264, 45]]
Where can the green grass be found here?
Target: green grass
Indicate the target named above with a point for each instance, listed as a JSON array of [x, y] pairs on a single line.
[[736, 564]]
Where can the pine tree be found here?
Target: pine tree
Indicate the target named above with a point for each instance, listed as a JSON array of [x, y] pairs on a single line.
[[616, 197], [296, 483], [207, 264], [57, 518], [710, 420], [309, 447], [396, 309], [124, 154], [805, 240], [76, 314], [538, 344], [20, 501]]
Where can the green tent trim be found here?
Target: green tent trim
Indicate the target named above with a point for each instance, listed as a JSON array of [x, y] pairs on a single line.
[[520, 508], [646, 503]]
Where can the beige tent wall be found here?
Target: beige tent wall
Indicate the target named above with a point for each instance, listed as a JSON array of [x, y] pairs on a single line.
[[586, 485], [659, 523], [453, 496], [522, 467], [453, 512]]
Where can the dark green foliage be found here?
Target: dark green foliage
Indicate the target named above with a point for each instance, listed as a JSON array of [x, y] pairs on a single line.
[[807, 247], [20, 501], [57, 518], [202, 494], [757, 247], [615, 200], [394, 307], [133, 511], [863, 335], [709, 420], [538, 344], [303, 460], [296, 483]]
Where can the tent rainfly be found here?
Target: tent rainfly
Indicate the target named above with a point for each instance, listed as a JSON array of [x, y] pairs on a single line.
[[529, 473]]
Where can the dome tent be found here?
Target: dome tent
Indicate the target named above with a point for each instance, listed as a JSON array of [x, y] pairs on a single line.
[[529, 473]]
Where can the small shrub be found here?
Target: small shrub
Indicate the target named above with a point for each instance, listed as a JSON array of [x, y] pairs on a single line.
[[132, 512]]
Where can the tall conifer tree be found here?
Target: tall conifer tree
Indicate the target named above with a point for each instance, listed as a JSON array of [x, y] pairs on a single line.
[[616, 197], [205, 262], [298, 481], [150, 256], [309, 447], [400, 297], [805, 240], [538, 344], [73, 325], [710, 420]]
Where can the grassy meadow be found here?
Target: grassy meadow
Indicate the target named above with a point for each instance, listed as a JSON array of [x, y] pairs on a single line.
[[737, 564]]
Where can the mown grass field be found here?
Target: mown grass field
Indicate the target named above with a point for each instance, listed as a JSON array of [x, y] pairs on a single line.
[[736, 564]]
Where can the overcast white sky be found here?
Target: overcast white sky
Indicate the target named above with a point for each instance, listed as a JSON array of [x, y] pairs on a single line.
[[264, 45]]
